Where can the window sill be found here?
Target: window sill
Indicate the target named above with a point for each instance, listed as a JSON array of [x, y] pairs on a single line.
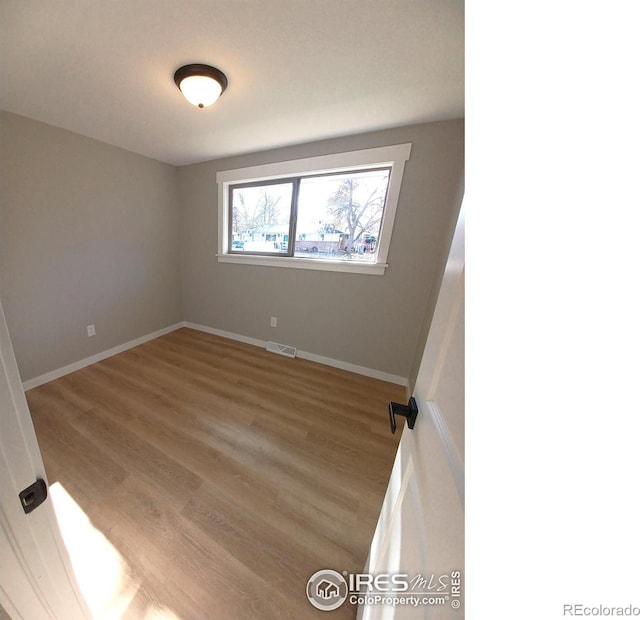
[[377, 269]]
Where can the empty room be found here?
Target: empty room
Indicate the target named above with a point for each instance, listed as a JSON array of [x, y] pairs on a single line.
[[232, 286]]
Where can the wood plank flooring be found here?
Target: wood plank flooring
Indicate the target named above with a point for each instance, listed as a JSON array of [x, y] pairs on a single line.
[[224, 476]]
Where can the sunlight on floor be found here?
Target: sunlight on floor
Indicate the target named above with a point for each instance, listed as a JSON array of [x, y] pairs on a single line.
[[102, 573], [100, 570]]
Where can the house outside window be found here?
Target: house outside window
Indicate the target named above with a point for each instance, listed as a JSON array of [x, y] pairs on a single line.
[[332, 212]]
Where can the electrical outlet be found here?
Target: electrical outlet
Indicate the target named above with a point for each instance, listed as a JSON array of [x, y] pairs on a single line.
[[91, 330], [274, 321]]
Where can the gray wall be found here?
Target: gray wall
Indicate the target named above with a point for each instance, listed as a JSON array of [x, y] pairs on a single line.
[[372, 321], [88, 234]]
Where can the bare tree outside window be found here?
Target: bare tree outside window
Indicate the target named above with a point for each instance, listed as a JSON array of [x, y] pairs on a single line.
[[334, 217], [345, 212], [260, 218], [359, 213]]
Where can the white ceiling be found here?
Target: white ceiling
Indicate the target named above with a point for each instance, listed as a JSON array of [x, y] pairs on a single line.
[[298, 70]]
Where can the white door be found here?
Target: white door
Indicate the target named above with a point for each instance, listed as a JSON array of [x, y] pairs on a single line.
[[420, 533], [36, 579]]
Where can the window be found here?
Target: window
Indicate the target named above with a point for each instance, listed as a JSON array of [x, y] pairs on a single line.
[[332, 212]]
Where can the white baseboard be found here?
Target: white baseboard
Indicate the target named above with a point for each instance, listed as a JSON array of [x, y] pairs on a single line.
[[230, 335], [98, 357], [320, 359], [359, 370]]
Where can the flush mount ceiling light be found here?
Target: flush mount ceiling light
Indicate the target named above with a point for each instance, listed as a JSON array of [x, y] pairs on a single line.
[[200, 84]]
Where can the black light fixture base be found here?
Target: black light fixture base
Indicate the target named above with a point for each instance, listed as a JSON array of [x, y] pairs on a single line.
[[204, 70]]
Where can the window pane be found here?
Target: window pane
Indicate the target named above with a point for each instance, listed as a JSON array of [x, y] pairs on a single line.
[[260, 218], [339, 216]]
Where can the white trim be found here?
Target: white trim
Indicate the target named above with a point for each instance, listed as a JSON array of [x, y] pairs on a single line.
[[223, 334], [456, 466], [312, 357], [394, 156], [359, 370], [98, 357], [305, 263], [323, 164]]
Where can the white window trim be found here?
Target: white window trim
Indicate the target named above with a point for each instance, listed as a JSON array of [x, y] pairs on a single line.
[[394, 156]]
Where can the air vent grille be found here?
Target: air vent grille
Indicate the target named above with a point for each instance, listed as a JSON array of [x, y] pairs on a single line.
[[281, 349]]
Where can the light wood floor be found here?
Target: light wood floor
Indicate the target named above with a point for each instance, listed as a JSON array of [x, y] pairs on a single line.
[[224, 475]]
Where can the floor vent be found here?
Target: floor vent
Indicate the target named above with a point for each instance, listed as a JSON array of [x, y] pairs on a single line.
[[281, 349]]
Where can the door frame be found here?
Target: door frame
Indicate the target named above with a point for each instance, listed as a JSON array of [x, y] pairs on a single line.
[[36, 576], [428, 471]]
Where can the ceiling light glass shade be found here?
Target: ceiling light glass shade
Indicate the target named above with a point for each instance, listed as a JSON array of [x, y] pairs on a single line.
[[200, 84], [201, 91]]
